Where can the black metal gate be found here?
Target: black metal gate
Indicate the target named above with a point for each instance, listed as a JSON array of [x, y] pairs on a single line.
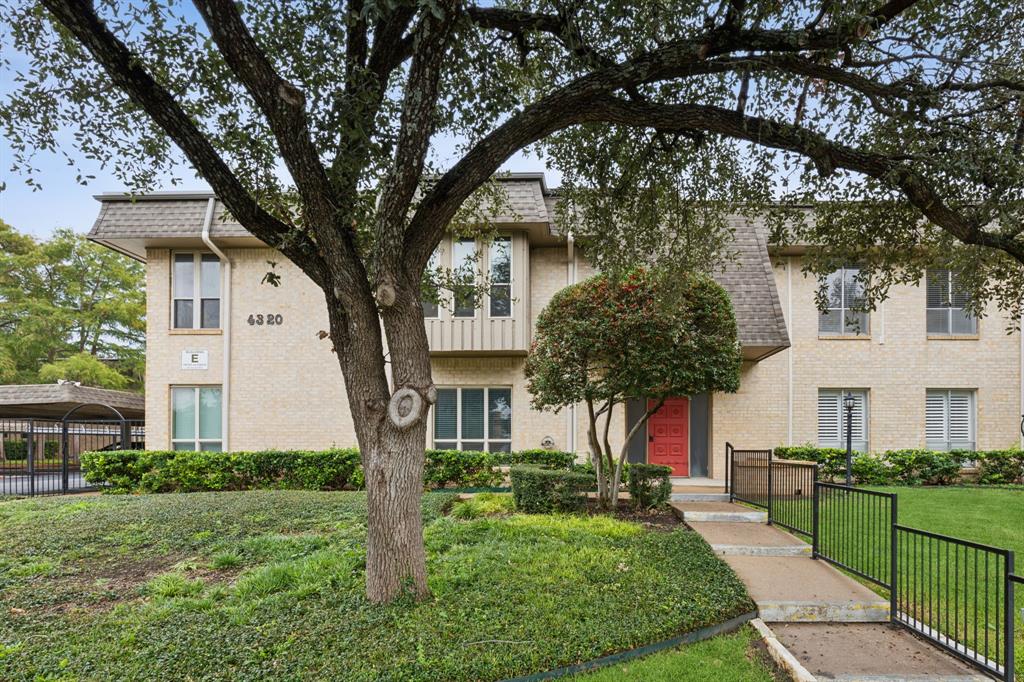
[[42, 456]]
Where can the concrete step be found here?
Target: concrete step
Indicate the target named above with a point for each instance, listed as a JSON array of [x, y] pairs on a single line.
[[699, 497], [748, 539], [798, 589], [717, 512]]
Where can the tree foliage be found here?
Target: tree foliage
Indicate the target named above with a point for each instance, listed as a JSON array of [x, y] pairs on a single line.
[[69, 309], [348, 135], [609, 340]]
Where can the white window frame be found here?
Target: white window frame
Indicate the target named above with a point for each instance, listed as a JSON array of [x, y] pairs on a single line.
[[844, 309], [839, 394], [434, 264], [197, 291], [196, 442], [948, 309], [511, 277], [946, 443], [458, 440], [474, 283]]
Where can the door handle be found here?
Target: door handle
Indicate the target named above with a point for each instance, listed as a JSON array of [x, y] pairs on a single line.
[[650, 439]]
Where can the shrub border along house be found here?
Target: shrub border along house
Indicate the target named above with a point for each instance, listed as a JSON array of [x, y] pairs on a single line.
[[17, 450], [161, 471], [913, 466]]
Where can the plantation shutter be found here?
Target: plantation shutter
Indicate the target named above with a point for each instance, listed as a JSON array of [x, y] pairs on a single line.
[[961, 416], [935, 420], [949, 420], [828, 419], [832, 419]]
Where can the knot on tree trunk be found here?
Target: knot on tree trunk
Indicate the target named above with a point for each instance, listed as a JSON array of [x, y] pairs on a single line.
[[405, 408], [385, 294]]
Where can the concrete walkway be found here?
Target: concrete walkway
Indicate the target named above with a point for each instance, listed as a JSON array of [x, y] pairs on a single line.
[[834, 626]]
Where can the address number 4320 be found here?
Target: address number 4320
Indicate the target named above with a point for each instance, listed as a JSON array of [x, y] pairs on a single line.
[[270, 319]]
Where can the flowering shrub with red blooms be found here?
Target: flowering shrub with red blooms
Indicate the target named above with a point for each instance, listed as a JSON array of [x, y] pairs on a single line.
[[645, 335]]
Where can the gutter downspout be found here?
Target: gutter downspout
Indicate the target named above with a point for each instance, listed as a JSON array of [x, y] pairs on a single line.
[[225, 389], [789, 351], [570, 276]]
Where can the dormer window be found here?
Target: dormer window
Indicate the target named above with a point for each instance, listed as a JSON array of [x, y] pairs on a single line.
[[196, 287]]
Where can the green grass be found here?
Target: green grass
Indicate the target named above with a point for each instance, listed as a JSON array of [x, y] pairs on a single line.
[[269, 585], [728, 658], [484, 504]]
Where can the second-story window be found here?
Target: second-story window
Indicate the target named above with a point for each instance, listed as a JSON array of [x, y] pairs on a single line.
[[845, 294], [501, 277], [464, 270], [430, 307], [196, 287], [947, 313]]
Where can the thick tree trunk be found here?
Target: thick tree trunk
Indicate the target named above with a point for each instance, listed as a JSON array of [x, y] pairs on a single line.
[[392, 455]]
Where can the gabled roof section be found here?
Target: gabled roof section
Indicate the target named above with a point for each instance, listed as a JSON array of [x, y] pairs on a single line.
[[750, 281]]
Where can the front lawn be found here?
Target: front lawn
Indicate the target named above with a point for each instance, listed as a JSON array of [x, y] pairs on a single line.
[[269, 584]]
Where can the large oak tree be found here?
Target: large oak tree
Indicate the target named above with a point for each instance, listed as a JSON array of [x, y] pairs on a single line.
[[317, 123]]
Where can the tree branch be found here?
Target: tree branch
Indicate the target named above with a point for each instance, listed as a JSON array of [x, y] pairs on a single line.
[[283, 104], [126, 71]]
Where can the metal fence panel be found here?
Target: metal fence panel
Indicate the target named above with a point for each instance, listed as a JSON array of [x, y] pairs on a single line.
[[750, 477], [792, 495], [958, 594]]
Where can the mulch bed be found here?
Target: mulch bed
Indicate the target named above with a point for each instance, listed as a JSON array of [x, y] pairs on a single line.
[[661, 518]]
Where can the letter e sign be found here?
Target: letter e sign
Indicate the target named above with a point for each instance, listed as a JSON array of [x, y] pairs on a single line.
[[195, 359]]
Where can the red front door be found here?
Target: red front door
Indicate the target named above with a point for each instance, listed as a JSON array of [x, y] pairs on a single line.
[[668, 436]]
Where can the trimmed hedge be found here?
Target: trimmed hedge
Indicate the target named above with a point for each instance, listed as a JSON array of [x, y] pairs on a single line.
[[538, 491], [912, 466], [649, 485], [162, 471], [17, 450], [157, 471]]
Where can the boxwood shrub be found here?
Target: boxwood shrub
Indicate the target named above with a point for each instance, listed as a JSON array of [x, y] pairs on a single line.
[[17, 450], [649, 485], [536, 490], [1000, 467], [461, 468], [552, 459]]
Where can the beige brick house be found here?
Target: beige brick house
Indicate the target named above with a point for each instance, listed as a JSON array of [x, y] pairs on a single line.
[[238, 364]]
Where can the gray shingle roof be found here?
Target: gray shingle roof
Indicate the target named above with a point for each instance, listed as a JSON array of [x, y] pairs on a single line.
[[751, 285], [53, 400], [160, 216]]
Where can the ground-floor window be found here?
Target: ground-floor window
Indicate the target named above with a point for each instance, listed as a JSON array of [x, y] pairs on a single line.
[[832, 418], [949, 419], [473, 419], [196, 418]]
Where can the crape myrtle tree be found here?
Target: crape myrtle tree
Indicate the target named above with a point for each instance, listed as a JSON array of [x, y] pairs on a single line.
[[639, 336], [318, 122]]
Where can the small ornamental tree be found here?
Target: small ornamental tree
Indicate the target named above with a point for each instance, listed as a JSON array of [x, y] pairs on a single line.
[[608, 340]]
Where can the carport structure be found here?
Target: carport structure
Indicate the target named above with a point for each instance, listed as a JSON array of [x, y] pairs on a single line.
[[45, 427]]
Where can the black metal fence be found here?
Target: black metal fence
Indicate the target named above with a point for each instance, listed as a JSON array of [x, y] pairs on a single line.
[[41, 457], [791, 503], [956, 593], [855, 530], [750, 476]]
